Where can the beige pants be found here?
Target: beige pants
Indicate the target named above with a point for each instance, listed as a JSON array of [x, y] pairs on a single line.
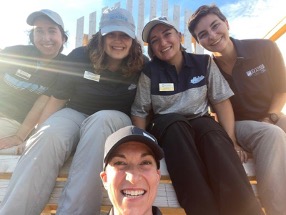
[[8, 127]]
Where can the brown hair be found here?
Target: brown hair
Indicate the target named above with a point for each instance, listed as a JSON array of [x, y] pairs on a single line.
[[132, 63], [201, 12]]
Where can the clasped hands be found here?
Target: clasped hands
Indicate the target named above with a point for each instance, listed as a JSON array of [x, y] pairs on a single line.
[[8, 142]]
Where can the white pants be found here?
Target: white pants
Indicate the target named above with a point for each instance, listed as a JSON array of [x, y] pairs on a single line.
[[267, 143], [35, 175], [8, 127]]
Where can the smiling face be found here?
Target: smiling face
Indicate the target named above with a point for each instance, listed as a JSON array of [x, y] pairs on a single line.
[[165, 42], [212, 33], [117, 46], [47, 37], [131, 179]]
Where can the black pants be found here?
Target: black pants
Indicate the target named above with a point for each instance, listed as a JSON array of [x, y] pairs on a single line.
[[207, 174]]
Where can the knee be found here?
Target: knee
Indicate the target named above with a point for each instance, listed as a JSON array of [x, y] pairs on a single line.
[[275, 137], [52, 138], [274, 132], [106, 116]]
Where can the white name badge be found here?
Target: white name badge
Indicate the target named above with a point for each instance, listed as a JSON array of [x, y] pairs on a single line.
[[91, 76], [166, 87], [22, 74]]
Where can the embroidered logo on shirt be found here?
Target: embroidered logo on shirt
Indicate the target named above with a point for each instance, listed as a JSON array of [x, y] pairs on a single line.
[[256, 71], [91, 76], [132, 87], [22, 74], [197, 79]]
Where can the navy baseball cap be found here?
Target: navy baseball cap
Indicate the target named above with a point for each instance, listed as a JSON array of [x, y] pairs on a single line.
[[131, 133]]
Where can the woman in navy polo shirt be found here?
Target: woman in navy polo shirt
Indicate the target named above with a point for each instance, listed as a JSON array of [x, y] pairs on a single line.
[[178, 88], [255, 71]]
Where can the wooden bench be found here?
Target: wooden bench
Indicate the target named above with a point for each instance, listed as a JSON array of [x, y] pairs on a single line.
[[166, 197]]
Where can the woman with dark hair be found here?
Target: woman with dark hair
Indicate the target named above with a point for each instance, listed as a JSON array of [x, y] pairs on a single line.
[[91, 100], [178, 87], [255, 70], [27, 75]]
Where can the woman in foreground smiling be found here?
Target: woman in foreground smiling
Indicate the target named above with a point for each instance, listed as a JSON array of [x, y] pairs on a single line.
[[178, 87], [131, 171]]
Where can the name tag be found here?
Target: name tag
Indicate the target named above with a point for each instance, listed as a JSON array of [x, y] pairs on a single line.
[[166, 87], [91, 76], [22, 74]]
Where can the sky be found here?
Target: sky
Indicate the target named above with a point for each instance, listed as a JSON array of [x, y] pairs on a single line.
[[247, 18]]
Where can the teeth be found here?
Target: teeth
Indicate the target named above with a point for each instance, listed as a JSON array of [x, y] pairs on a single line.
[[119, 48], [133, 193], [47, 46], [166, 49], [216, 42]]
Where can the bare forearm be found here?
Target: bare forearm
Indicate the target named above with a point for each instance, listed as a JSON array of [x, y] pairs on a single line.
[[32, 118], [278, 102], [139, 121], [52, 106], [225, 116]]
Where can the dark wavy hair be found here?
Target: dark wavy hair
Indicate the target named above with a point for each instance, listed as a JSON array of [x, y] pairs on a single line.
[[64, 34], [201, 12], [132, 63]]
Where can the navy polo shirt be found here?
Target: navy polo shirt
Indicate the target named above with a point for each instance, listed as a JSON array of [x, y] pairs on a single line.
[[188, 92], [88, 92], [258, 74]]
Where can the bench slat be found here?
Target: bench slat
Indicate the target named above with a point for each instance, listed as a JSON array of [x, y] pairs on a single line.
[[166, 197]]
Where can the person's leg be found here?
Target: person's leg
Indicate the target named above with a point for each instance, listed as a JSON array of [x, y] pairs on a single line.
[[185, 167], [282, 123], [82, 193], [8, 127], [35, 175], [267, 143], [226, 174]]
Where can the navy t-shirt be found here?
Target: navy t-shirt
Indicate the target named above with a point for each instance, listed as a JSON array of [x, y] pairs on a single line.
[[88, 92], [23, 78]]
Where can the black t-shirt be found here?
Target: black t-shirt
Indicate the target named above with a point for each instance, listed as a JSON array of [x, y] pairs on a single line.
[[258, 74], [155, 211], [88, 92], [23, 79]]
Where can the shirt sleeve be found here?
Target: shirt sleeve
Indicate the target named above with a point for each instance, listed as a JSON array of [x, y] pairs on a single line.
[[64, 85], [218, 88], [67, 80], [142, 103]]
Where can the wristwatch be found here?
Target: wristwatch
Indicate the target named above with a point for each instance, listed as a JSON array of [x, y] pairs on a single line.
[[273, 117]]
